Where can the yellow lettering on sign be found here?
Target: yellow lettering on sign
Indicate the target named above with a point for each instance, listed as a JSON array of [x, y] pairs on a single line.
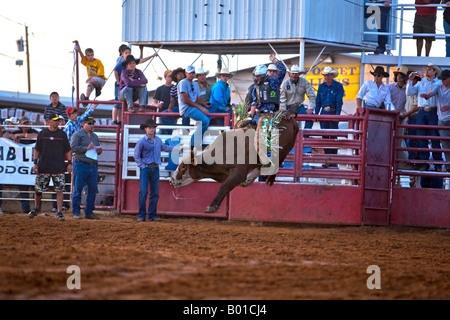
[[349, 77]]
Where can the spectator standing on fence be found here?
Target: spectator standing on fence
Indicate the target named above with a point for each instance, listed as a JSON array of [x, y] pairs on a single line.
[[427, 114], [147, 155], [294, 91], [446, 22], [86, 149], [409, 117], [375, 93], [384, 24], [442, 93], [54, 107], [329, 101], [425, 22], [51, 151]]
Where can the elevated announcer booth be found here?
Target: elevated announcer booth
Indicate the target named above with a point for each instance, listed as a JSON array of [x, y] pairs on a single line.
[[357, 190]]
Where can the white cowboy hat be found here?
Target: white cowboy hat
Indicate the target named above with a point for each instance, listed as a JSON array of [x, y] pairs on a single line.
[[295, 69], [225, 71], [328, 70], [435, 67], [201, 71], [12, 120]]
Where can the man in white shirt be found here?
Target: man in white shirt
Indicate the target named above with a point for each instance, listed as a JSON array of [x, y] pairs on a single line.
[[442, 93], [374, 93], [427, 114]]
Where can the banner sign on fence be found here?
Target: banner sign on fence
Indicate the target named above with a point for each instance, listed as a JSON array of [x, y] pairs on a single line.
[[16, 163]]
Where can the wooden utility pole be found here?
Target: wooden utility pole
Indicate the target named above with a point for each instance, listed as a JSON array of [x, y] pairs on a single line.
[[28, 59]]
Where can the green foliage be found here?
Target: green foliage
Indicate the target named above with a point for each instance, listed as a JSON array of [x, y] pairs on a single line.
[[240, 111]]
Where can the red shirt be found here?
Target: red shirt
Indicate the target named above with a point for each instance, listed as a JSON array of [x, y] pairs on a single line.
[[422, 11]]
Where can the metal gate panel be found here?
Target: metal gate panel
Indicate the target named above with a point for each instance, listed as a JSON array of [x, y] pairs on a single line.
[[297, 203], [421, 207], [378, 168]]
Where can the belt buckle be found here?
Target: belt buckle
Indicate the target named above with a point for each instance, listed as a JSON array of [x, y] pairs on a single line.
[[427, 109], [327, 109]]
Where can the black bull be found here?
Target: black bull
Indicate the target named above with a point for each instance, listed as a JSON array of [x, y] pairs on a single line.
[[240, 168]]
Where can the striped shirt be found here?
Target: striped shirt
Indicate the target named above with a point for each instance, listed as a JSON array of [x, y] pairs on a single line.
[[60, 109]]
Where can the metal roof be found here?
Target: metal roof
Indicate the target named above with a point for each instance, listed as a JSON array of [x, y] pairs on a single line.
[[246, 26]]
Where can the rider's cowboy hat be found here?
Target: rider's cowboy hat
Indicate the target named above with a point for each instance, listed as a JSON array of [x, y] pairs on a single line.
[[380, 70]]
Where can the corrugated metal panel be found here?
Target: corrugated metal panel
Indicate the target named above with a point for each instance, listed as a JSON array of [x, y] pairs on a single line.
[[237, 21]]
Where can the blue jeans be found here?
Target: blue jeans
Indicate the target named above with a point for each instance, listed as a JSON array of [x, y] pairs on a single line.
[[302, 110], [445, 143], [329, 125], [447, 39], [170, 121], [148, 177], [431, 119], [130, 95], [84, 174], [196, 115], [218, 121]]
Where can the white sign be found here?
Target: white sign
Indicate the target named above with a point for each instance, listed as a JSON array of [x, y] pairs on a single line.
[[16, 163]]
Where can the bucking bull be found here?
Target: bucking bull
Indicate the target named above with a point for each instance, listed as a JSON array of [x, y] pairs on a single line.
[[233, 159]]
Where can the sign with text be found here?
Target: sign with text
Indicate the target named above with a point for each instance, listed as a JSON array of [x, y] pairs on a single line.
[[16, 163], [349, 76]]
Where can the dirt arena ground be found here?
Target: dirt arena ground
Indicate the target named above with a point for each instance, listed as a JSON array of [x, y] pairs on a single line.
[[201, 259]]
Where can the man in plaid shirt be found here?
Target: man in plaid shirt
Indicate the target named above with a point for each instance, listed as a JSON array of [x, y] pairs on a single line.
[[75, 122]]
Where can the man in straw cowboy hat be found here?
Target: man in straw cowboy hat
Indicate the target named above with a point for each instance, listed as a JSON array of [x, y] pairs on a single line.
[[147, 155], [221, 96], [398, 97], [293, 91], [427, 114], [329, 101], [204, 85], [375, 93]]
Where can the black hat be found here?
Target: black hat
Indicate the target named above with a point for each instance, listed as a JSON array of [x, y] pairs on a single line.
[[129, 59], [445, 74], [89, 119], [380, 70], [149, 123], [175, 72]]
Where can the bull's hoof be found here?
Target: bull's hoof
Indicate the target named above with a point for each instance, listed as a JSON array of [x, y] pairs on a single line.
[[211, 209]]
